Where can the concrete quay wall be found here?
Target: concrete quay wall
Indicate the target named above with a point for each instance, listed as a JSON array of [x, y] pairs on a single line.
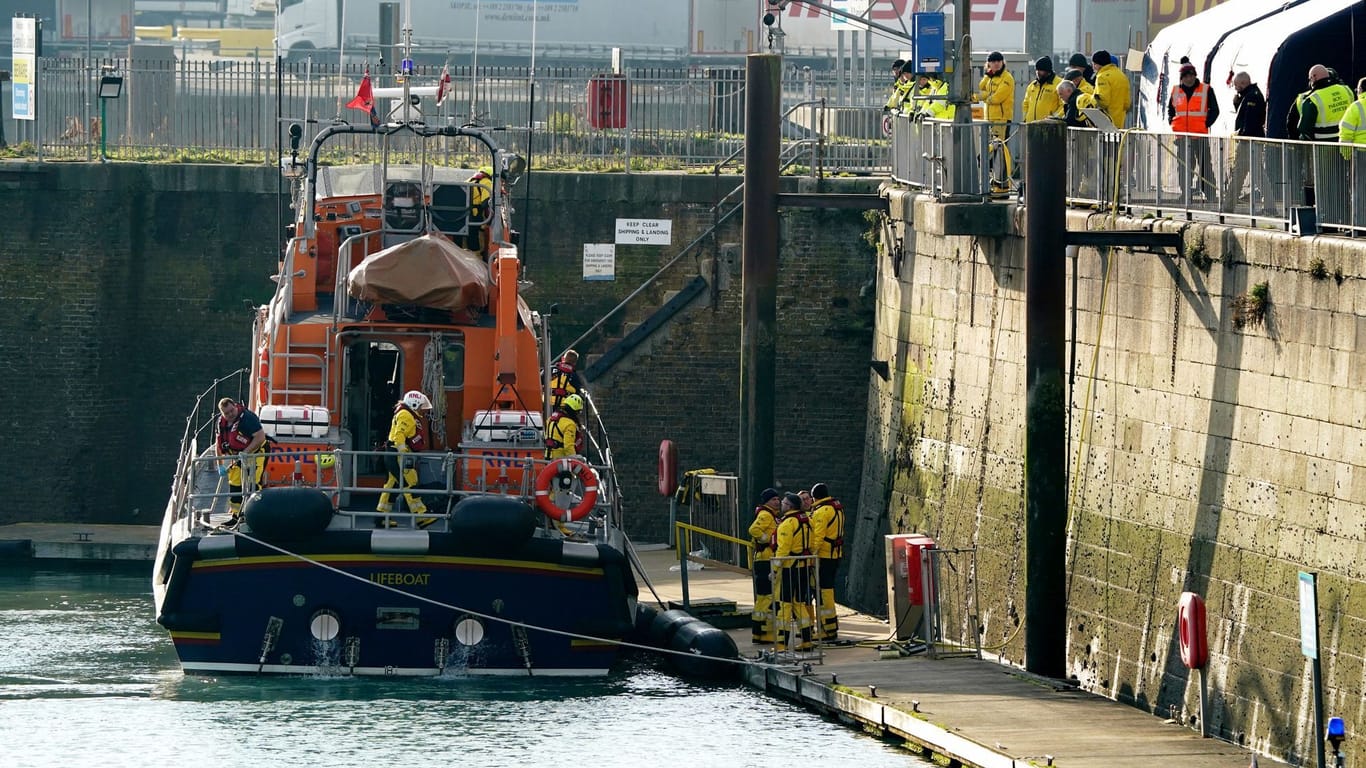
[[1211, 448]]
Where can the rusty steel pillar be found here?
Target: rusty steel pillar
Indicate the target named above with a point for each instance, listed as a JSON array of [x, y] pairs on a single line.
[[758, 320], [1045, 398]]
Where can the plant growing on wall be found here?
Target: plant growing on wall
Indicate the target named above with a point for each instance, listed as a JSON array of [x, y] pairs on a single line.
[[1250, 308]]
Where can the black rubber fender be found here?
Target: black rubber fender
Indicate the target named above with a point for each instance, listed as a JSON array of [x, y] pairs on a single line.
[[499, 523], [666, 624], [645, 618], [702, 651], [287, 514]]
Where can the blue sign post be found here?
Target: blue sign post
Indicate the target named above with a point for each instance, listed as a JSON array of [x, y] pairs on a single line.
[[928, 31]]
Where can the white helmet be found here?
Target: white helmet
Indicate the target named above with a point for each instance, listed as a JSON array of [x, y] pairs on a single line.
[[416, 400]]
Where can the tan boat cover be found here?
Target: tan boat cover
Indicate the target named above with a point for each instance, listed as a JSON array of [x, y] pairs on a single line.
[[429, 271]]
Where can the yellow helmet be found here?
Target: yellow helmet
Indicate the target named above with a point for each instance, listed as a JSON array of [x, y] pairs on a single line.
[[573, 403]]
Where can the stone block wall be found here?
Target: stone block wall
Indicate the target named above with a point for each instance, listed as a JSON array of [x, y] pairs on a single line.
[[1210, 449]]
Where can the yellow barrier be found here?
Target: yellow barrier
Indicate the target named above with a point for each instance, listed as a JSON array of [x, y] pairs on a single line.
[[154, 33]]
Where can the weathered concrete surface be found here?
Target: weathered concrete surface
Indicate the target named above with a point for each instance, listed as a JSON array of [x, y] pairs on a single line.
[[80, 541], [980, 712], [1216, 444]]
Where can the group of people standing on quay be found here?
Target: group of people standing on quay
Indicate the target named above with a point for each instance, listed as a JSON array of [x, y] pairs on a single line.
[[798, 544], [919, 94]]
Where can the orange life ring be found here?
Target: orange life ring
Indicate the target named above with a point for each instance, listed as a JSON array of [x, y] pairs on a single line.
[[574, 468]]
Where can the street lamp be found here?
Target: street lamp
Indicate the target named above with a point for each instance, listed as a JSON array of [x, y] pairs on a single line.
[[111, 87]]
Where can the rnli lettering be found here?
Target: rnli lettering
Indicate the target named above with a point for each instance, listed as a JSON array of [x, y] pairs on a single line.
[[395, 579]]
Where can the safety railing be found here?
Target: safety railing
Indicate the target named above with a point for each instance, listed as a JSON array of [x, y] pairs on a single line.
[[694, 545], [235, 110], [445, 478], [796, 608]]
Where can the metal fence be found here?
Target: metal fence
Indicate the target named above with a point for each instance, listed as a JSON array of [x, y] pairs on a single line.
[[237, 110], [1307, 186]]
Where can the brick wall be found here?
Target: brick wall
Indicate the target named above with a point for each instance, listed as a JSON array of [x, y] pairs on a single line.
[[126, 284]]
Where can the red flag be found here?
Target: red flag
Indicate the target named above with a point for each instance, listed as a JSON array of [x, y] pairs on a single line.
[[365, 95], [443, 87]]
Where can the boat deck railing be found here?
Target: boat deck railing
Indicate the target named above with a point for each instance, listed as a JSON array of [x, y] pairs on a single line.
[[444, 479]]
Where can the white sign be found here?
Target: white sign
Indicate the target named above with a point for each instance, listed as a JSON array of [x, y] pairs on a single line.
[[1309, 616], [599, 261], [24, 89], [855, 7], [644, 231]]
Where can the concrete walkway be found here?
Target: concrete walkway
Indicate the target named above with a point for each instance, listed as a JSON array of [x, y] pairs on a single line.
[[979, 713]]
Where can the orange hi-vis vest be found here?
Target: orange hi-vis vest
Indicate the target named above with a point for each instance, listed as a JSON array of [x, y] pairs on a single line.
[[1190, 110]]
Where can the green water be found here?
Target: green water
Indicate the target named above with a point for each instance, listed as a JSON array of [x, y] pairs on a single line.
[[87, 678]]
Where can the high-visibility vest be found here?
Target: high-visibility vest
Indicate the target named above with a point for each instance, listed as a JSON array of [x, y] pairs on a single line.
[[1190, 110], [1332, 103]]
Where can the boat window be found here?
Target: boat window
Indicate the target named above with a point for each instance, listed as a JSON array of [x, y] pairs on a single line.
[[403, 203], [453, 365], [450, 207]]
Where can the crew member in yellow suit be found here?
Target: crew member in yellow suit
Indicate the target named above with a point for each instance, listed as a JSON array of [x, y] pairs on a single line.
[[827, 530], [405, 438], [792, 565], [562, 436], [763, 532]]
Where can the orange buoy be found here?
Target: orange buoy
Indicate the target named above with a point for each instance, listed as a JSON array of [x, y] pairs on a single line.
[[559, 469]]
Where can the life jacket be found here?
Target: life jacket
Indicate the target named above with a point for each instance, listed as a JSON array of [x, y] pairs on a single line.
[[561, 382], [230, 440], [554, 434], [1190, 110], [803, 530], [837, 541], [419, 437]]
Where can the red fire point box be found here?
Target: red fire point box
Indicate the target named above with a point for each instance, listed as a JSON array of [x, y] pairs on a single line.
[[909, 591], [607, 99]]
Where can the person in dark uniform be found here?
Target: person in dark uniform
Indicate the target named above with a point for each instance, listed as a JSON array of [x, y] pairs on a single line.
[[239, 433]]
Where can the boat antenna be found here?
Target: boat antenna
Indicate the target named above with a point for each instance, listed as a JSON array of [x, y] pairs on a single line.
[[341, 54], [530, 130], [474, 65], [405, 67]]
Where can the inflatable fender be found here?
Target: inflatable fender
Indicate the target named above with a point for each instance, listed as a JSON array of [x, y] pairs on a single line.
[[702, 651], [664, 626], [499, 523], [668, 468], [287, 514]]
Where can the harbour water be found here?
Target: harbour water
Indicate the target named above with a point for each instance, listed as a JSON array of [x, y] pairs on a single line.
[[88, 679]]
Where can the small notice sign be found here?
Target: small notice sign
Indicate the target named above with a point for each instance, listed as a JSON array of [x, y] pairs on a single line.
[[599, 261], [1309, 615], [644, 231]]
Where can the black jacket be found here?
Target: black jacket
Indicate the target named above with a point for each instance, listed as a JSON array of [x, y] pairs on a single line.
[[1249, 108]]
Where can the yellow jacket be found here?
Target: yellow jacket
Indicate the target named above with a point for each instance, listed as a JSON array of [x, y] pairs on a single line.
[[1041, 99], [939, 108], [1112, 93], [827, 528], [1352, 129], [999, 94], [565, 431], [403, 430], [761, 532], [901, 92], [794, 538]]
